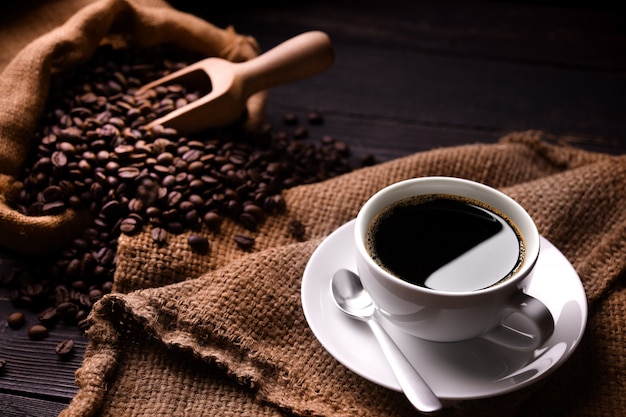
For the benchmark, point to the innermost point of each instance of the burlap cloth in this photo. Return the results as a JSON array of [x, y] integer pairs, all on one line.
[[58, 35], [224, 334]]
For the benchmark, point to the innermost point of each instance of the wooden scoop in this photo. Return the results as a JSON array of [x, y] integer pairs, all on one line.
[[230, 84]]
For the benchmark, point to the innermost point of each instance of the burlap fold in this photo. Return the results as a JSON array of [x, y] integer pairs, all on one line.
[[231, 339], [25, 82], [223, 334]]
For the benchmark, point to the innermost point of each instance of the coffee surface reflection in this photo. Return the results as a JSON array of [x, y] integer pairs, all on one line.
[[445, 242]]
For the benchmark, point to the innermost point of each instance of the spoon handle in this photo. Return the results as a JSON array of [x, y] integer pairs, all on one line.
[[414, 387]]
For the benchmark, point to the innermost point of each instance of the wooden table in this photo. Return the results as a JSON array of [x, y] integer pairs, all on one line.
[[408, 77]]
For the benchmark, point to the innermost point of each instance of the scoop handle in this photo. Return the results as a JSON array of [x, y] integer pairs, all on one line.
[[295, 59]]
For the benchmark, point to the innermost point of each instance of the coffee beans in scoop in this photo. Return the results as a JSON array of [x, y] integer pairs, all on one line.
[[92, 150]]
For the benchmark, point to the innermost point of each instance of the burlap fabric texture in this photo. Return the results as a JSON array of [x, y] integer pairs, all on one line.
[[224, 334], [25, 82], [231, 339]]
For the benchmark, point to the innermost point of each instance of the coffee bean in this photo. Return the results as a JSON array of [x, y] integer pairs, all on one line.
[[64, 348], [67, 311], [254, 210], [301, 132], [61, 294], [95, 294], [315, 117], [16, 320], [48, 316], [212, 220], [38, 332], [244, 241], [92, 151], [159, 235], [128, 173], [55, 207], [248, 221], [52, 193], [199, 244], [111, 209], [290, 118], [58, 159], [130, 226], [296, 228]]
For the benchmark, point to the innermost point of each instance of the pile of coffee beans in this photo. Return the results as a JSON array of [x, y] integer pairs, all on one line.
[[93, 151]]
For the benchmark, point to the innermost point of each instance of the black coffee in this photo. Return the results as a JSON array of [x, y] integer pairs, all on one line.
[[445, 242]]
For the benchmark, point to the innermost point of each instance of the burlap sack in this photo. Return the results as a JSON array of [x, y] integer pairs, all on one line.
[[231, 338], [25, 80], [224, 334]]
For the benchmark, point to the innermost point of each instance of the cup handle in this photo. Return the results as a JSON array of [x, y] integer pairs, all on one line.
[[526, 325]]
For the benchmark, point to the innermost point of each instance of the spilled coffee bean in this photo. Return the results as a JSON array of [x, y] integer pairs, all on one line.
[[315, 117], [38, 332], [296, 228], [92, 151], [16, 320], [244, 241], [198, 244], [64, 348], [159, 235]]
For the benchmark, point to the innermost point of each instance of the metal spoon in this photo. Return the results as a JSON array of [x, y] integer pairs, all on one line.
[[355, 301]]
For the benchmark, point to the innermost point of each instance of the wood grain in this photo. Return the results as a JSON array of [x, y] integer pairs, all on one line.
[[408, 77]]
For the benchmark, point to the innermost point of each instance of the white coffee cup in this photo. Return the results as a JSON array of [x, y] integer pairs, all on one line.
[[499, 311]]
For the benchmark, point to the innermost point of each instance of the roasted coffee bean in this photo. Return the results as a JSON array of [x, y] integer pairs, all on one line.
[[67, 311], [85, 301], [48, 316], [301, 132], [159, 235], [34, 291], [128, 173], [16, 320], [95, 294], [64, 348], [212, 220], [244, 241], [61, 294], [254, 210], [368, 160], [199, 244], [38, 332], [53, 193], [107, 287], [130, 226], [315, 117], [296, 228], [59, 159], [248, 221], [290, 118], [94, 153], [54, 207]]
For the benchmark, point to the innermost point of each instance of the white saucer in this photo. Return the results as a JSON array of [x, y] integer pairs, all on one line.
[[455, 371]]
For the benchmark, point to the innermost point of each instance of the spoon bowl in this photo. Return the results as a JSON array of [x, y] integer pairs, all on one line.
[[354, 300]]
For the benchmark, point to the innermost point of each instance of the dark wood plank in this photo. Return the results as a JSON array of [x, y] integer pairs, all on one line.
[[388, 71], [409, 76], [586, 34], [407, 87], [22, 406], [33, 367]]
